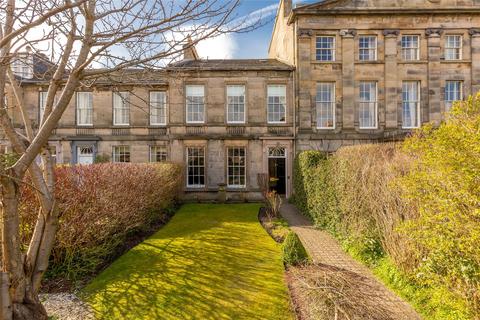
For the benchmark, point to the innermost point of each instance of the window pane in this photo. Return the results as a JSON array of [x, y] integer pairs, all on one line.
[[325, 105], [453, 92], [121, 110], [236, 173], [276, 103], [410, 47], [453, 47], [411, 104], [236, 104], [42, 104], [195, 167], [368, 48], [195, 104], [84, 108], [368, 105], [158, 108], [158, 154], [325, 48], [121, 153]]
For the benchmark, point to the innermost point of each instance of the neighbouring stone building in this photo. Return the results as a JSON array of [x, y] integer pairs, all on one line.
[[338, 73]]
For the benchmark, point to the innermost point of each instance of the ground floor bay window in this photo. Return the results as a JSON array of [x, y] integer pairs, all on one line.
[[195, 167], [236, 170]]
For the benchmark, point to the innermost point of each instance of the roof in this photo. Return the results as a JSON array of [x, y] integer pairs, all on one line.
[[231, 65]]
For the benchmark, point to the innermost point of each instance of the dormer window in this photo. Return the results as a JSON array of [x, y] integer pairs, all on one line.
[[22, 66]]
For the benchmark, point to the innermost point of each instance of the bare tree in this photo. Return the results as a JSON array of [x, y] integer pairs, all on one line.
[[85, 39]]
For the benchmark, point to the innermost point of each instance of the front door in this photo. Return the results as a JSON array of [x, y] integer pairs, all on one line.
[[85, 154], [277, 170]]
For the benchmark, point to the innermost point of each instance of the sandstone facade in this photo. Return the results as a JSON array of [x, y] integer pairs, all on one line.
[[383, 67]]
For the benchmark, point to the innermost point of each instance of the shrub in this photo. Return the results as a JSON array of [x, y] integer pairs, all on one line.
[[100, 206], [273, 202], [293, 251], [444, 184], [415, 204]]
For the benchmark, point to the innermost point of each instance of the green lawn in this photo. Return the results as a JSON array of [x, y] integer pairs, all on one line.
[[208, 262]]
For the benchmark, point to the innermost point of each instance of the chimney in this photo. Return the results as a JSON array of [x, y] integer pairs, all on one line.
[[287, 7], [189, 51]]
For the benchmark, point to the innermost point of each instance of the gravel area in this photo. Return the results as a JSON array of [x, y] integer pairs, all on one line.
[[66, 306]]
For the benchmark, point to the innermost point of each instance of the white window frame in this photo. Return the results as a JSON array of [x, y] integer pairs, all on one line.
[[153, 153], [417, 103], [22, 66], [282, 100], [367, 103], [190, 104], [53, 153], [369, 49], [331, 103], [122, 98], [448, 102], [232, 165], [407, 50], [236, 101], [42, 103], [89, 110], [158, 108], [456, 49], [117, 153], [332, 49], [187, 153]]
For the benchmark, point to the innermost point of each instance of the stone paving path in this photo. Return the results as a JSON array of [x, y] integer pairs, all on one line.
[[325, 249]]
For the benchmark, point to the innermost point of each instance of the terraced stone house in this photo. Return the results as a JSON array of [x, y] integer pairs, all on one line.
[[339, 72]]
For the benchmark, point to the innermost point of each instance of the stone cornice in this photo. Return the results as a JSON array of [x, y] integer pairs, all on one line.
[[372, 11]]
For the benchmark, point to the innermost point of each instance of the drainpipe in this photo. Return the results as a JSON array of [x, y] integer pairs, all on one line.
[[295, 101]]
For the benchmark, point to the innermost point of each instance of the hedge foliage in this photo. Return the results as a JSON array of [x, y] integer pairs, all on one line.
[[101, 205], [293, 251], [416, 204]]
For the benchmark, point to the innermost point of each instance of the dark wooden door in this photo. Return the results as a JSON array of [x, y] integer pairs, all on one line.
[[277, 172]]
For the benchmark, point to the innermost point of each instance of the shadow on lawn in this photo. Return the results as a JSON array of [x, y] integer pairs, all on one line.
[[210, 264]]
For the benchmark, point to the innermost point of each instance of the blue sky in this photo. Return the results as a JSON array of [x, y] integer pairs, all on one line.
[[245, 45], [255, 44]]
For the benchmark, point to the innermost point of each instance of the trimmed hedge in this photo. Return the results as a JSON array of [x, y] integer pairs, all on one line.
[[409, 208], [102, 205], [293, 251]]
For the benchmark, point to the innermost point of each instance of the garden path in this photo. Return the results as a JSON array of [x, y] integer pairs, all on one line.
[[324, 249]]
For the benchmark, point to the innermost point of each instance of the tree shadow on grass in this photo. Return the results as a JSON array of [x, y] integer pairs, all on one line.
[[215, 263]]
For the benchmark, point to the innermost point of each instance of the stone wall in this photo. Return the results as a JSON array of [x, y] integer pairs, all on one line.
[[389, 71]]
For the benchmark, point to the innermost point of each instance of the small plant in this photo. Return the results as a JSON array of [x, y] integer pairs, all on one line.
[[273, 203], [102, 158], [293, 251]]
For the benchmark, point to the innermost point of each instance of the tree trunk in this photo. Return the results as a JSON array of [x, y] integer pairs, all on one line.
[[5, 305], [24, 300]]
